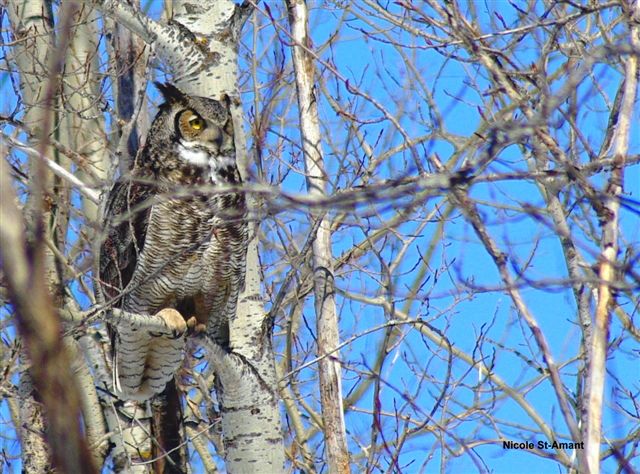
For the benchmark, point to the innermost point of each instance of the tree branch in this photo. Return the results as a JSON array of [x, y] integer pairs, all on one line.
[[608, 271], [40, 328], [327, 325]]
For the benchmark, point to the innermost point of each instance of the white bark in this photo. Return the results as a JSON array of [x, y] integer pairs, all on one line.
[[94, 422], [83, 128], [35, 451], [609, 255], [168, 41], [324, 286], [31, 20]]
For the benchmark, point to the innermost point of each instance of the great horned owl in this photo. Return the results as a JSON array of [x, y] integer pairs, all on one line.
[[172, 240]]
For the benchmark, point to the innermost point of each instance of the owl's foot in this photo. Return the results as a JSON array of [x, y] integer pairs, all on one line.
[[194, 327], [176, 325]]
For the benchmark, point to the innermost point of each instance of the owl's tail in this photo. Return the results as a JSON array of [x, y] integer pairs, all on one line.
[[144, 362]]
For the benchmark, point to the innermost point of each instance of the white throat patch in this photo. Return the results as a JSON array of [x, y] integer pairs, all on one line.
[[192, 155]]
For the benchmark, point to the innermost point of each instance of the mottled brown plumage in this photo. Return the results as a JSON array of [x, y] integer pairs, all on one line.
[[171, 242]]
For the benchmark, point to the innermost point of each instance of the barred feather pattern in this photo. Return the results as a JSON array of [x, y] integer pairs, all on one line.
[[163, 250]]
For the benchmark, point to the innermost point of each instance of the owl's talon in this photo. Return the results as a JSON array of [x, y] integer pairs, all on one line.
[[174, 321], [194, 327]]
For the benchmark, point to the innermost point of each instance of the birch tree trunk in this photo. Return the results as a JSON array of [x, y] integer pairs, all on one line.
[[33, 245], [30, 18], [608, 260], [324, 287]]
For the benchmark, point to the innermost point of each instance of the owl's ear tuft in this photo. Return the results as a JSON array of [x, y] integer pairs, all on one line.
[[228, 101], [170, 92]]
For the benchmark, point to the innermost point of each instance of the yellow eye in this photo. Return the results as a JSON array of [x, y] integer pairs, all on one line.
[[196, 123]]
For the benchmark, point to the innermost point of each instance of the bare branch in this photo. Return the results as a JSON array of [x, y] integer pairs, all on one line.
[[608, 272], [40, 328]]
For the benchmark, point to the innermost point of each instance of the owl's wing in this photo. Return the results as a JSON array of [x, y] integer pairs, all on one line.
[[126, 217], [125, 224]]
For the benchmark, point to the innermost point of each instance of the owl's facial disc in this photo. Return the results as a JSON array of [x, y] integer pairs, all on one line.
[[199, 138]]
